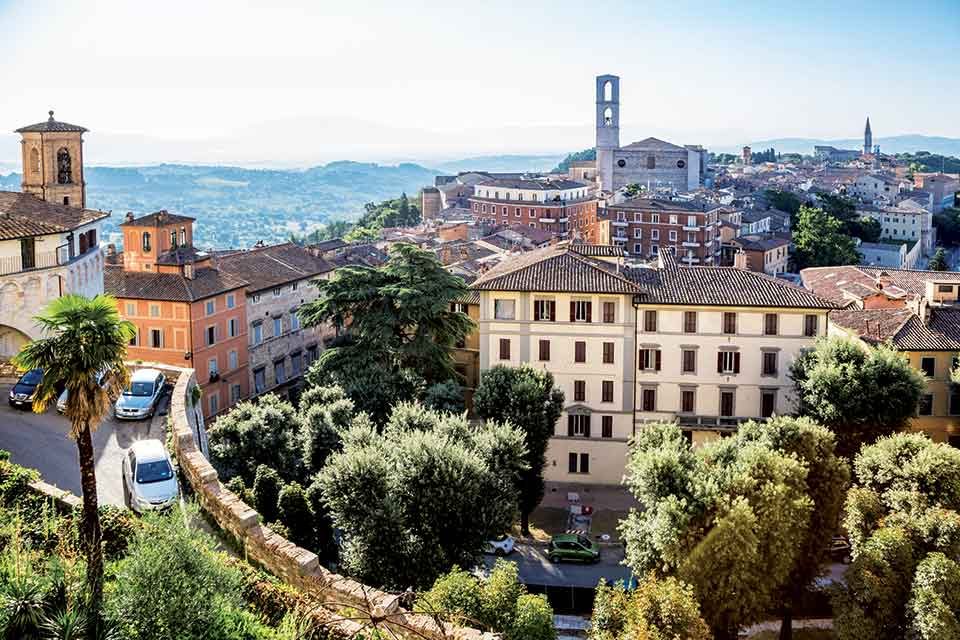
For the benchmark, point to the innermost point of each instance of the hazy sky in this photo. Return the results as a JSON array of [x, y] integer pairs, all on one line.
[[712, 73]]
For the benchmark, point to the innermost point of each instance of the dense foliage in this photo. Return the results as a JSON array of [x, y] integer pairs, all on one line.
[[658, 609], [421, 496], [820, 241], [858, 394], [526, 398], [728, 518], [931, 162], [499, 603], [444, 396], [939, 261], [785, 201], [767, 155], [947, 223], [400, 321], [903, 518], [575, 156]]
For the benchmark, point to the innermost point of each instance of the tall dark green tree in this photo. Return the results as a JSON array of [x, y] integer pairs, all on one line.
[[939, 261], [820, 241], [526, 398], [83, 337]]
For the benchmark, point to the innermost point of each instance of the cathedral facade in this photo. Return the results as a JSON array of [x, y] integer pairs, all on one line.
[[651, 163]]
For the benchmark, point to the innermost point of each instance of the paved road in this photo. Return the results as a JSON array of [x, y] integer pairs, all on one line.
[[42, 442], [535, 568]]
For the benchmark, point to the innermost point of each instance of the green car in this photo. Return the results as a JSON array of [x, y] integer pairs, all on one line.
[[572, 546]]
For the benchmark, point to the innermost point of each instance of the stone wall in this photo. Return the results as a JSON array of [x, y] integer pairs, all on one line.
[[294, 565]]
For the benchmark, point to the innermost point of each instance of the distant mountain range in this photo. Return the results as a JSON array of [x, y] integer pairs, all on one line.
[[893, 144]]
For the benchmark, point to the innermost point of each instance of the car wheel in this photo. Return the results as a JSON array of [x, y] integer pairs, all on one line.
[[554, 559], [500, 552]]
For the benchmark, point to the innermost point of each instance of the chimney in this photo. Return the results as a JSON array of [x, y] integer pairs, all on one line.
[[111, 250], [129, 216], [188, 270]]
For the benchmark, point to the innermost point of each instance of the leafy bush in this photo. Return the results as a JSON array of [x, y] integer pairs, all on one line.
[[323, 543], [446, 397], [266, 492], [294, 512], [239, 488], [659, 609], [118, 528]]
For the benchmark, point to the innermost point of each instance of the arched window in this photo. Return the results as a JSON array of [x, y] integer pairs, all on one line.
[[183, 236], [608, 116], [34, 167], [64, 170], [173, 239], [608, 91], [146, 241]]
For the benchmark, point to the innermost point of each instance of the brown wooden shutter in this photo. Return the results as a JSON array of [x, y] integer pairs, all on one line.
[[736, 362], [720, 362], [553, 310], [658, 360], [589, 312], [587, 432], [573, 311], [570, 426]]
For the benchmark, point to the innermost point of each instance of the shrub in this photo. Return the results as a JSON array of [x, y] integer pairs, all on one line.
[[456, 596], [533, 619], [446, 397], [266, 492], [659, 609], [14, 483], [239, 488], [295, 513], [323, 543]]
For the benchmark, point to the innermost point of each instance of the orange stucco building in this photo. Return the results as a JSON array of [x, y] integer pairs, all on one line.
[[187, 312]]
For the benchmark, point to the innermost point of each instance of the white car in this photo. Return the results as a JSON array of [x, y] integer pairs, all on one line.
[[501, 546], [149, 481], [62, 400], [140, 399]]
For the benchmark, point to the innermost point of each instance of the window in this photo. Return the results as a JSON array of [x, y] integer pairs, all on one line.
[[579, 351], [580, 311], [231, 301], [926, 405], [649, 360], [768, 403], [232, 362], [255, 298], [579, 391], [691, 221], [810, 327], [504, 348], [156, 338], [154, 311], [655, 218], [650, 320], [609, 312], [673, 236], [294, 320], [503, 309], [234, 394], [131, 309], [728, 362], [673, 219], [945, 288], [544, 350], [135, 340], [257, 332], [173, 239], [607, 391], [276, 292], [637, 249], [578, 426], [606, 427], [213, 367], [769, 363], [296, 363], [64, 169], [649, 400], [689, 321], [726, 404], [145, 241], [688, 361], [259, 380], [687, 400], [277, 326], [729, 323], [655, 234], [770, 324], [311, 353], [638, 233], [651, 162], [279, 371], [927, 365], [232, 327], [214, 403], [607, 353], [211, 335], [183, 236], [544, 310], [579, 463]]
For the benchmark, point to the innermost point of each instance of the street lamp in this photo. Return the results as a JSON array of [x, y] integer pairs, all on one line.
[[636, 301]]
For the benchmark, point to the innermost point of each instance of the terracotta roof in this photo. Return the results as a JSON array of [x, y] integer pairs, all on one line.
[[23, 215], [541, 185], [50, 126], [598, 250], [181, 255], [268, 267], [903, 328], [834, 282], [657, 205], [653, 143], [760, 243], [554, 269], [173, 287], [156, 219]]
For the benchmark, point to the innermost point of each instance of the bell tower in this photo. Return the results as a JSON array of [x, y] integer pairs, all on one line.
[[608, 127], [53, 162]]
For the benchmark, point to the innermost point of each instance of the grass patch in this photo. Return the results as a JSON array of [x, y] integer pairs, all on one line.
[[549, 521]]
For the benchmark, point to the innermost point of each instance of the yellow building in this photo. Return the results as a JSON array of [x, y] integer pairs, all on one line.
[[708, 347]]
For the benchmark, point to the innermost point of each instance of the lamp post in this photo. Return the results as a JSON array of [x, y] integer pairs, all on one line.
[[636, 301]]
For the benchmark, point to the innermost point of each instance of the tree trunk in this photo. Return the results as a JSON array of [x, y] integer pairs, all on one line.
[[525, 524], [786, 625], [90, 527]]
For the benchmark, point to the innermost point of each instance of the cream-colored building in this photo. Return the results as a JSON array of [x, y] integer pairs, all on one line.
[[708, 347]]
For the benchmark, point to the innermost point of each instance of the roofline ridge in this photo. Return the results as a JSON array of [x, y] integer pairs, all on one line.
[[588, 260]]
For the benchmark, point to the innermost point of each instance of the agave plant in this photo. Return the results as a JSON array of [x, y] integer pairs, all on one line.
[[64, 624]]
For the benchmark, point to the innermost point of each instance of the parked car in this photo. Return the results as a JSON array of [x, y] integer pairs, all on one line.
[[840, 550], [140, 399], [23, 392], [149, 482], [573, 546], [101, 378], [500, 546]]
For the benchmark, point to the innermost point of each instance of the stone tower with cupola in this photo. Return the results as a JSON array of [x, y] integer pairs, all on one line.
[[53, 162]]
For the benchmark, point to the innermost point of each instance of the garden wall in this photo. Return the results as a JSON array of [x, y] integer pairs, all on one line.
[[294, 565]]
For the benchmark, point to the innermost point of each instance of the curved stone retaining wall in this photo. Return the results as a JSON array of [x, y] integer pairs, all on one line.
[[295, 565]]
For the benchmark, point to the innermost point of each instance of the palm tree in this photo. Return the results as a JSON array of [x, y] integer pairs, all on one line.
[[83, 337]]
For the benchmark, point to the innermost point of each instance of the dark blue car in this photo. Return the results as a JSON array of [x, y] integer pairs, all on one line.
[[22, 393]]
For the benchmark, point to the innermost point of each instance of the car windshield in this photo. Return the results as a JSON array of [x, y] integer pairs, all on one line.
[[584, 541], [140, 389], [32, 377], [157, 471]]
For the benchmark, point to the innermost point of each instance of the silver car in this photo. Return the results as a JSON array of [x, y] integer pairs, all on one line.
[[149, 483], [139, 400], [101, 378]]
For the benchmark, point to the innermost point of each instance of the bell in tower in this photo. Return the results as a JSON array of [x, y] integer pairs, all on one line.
[[53, 162]]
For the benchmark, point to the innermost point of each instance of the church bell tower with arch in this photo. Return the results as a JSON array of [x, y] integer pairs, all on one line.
[[53, 162], [608, 127]]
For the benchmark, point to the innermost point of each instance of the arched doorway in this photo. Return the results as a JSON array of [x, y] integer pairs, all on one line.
[[11, 340]]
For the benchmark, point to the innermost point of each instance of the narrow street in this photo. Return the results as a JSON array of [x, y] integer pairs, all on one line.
[[536, 569]]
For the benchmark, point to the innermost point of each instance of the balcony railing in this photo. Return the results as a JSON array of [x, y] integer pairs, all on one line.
[[45, 260]]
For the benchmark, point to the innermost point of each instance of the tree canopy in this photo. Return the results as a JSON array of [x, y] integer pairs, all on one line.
[[658, 609], [820, 240], [939, 261], [860, 394], [575, 156], [526, 398]]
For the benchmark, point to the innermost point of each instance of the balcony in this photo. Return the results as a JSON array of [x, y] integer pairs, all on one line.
[[548, 220], [45, 260], [691, 244], [619, 223], [694, 228]]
